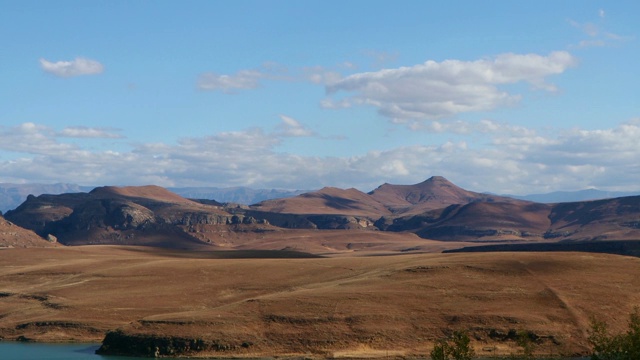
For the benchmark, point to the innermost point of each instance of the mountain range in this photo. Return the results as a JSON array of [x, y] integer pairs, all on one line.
[[435, 209], [310, 265], [12, 195]]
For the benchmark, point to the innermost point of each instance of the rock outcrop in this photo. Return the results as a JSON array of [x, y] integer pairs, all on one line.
[[434, 209], [120, 343], [14, 236], [147, 215]]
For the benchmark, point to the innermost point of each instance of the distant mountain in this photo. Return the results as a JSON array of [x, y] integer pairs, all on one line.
[[396, 197], [136, 215], [607, 219], [328, 200], [433, 193], [570, 196], [12, 195], [387, 200], [238, 195], [433, 209], [495, 221]]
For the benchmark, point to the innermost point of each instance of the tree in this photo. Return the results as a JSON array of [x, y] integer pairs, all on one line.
[[624, 346], [458, 347], [440, 350], [525, 342]]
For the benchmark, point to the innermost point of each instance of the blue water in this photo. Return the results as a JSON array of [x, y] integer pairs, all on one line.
[[35, 351]]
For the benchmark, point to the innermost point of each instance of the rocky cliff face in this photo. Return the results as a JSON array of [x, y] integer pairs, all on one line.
[[14, 236], [119, 343], [119, 216], [151, 215]]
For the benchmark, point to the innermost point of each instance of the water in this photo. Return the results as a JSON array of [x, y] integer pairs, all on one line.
[[36, 351]]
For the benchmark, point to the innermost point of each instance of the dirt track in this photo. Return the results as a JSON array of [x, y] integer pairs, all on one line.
[[343, 306]]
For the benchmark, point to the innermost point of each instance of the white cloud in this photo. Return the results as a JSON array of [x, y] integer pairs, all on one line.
[[395, 167], [89, 132], [442, 89], [32, 139], [336, 104], [462, 127], [510, 160], [322, 75], [77, 67], [290, 127], [242, 80]]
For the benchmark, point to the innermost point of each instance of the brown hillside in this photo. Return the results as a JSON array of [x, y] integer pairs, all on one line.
[[496, 221], [325, 242], [435, 209], [146, 215], [13, 236], [328, 200], [37, 212], [149, 192], [609, 219], [316, 308], [433, 193]]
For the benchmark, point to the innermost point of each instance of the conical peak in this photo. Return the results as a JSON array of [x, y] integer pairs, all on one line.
[[437, 179]]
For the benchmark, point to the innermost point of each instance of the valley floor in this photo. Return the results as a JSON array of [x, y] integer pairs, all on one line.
[[250, 304]]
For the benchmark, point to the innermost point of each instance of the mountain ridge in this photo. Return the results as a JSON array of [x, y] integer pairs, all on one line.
[[12, 195], [434, 193], [434, 209]]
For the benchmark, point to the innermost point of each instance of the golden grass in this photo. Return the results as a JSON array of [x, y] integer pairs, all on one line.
[[342, 306]]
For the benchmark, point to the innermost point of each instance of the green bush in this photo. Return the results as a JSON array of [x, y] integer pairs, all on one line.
[[458, 347], [624, 346], [525, 342]]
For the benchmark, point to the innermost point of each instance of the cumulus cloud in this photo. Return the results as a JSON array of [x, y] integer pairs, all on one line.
[[32, 139], [77, 67], [463, 127], [434, 90], [89, 132], [512, 160]]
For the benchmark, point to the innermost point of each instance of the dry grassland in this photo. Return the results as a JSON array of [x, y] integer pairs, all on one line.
[[319, 307]]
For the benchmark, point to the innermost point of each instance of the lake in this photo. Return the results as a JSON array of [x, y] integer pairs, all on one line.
[[37, 351]]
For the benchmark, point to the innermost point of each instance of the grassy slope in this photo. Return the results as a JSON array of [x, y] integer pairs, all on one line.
[[343, 306]]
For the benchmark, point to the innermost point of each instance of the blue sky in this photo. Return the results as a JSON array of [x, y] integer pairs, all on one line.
[[500, 96]]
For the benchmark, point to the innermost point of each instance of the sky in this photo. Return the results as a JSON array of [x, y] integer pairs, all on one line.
[[507, 97]]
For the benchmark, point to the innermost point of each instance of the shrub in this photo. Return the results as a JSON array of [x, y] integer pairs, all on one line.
[[624, 346], [458, 347], [524, 341]]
